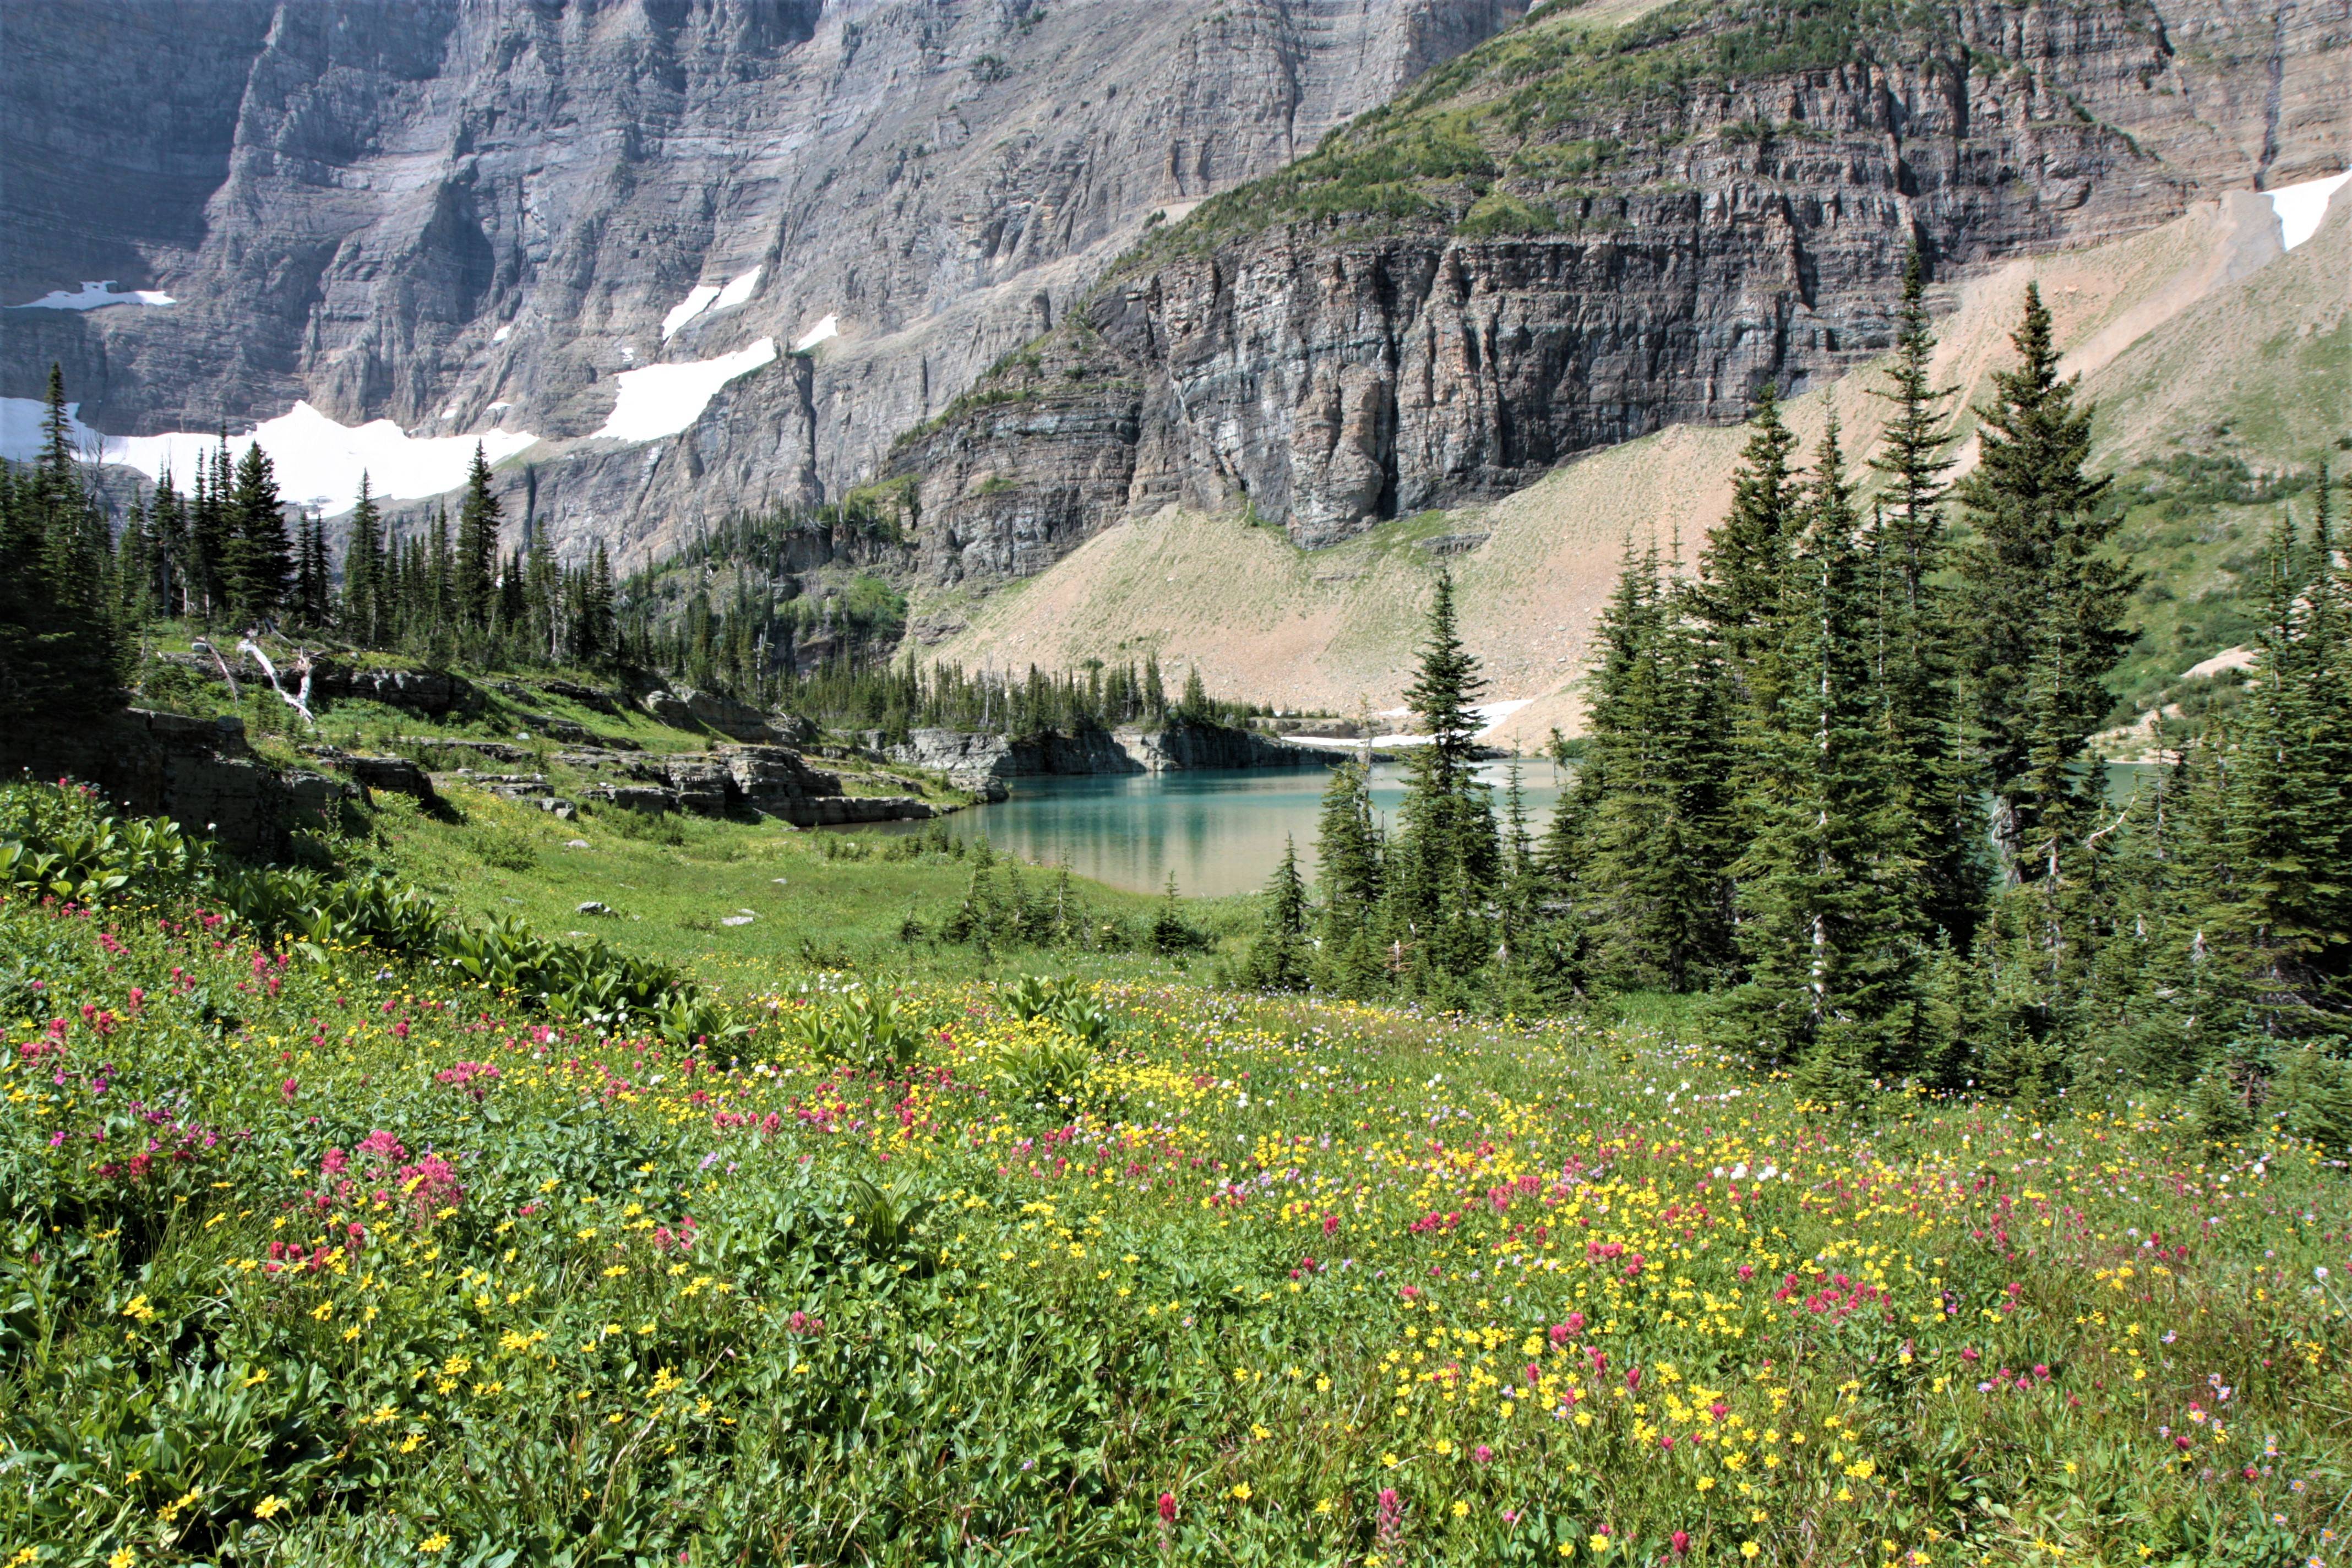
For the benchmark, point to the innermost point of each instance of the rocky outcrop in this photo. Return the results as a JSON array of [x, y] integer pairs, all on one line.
[[371, 772], [1184, 746], [686, 709], [198, 771], [764, 781], [467, 215], [982, 763], [1405, 321]]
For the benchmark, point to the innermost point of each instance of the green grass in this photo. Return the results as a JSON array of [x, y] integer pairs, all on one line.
[[822, 899], [315, 1256]]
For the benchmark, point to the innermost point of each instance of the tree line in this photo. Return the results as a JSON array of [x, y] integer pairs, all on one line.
[[1837, 786], [223, 556]]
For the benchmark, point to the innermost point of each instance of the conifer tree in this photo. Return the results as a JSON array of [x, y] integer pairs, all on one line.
[[259, 564], [1442, 869], [1278, 958], [363, 618], [62, 651], [1917, 680], [1646, 886], [167, 521], [1831, 959], [1741, 591], [2041, 607], [1347, 844], [475, 585]]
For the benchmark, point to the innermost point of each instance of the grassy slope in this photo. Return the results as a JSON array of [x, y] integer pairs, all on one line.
[[1276, 1262], [2144, 319], [810, 909]]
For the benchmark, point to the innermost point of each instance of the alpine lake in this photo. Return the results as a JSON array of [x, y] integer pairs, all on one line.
[[1221, 831]]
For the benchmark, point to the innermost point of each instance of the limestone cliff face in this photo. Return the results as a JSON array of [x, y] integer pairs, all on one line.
[[468, 215], [1423, 321]]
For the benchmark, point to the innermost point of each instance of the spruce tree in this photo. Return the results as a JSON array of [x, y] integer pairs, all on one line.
[[362, 619], [1278, 958], [475, 584], [2042, 608], [1442, 869], [260, 565]]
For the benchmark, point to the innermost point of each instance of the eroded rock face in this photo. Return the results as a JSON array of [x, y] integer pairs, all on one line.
[[420, 212], [199, 771], [1332, 375]]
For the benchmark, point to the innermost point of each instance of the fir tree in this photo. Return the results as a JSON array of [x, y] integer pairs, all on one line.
[[1646, 881], [363, 619], [1278, 958], [62, 651], [475, 584], [1347, 844], [2041, 607], [1440, 871], [1831, 962], [1920, 687], [1741, 591], [259, 564]]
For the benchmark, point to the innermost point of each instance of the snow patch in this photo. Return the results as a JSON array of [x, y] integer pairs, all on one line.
[[710, 298], [664, 399], [1491, 714], [1490, 717], [2301, 208], [697, 299], [828, 327], [318, 461], [96, 296], [503, 333], [499, 407], [737, 292]]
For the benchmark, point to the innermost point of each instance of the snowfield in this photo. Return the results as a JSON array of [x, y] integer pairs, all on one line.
[[96, 296], [2302, 207], [318, 461], [664, 399]]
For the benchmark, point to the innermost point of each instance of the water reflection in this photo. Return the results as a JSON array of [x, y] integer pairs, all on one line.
[[1220, 831]]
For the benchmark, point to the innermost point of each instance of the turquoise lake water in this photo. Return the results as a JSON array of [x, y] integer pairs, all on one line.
[[1221, 831]]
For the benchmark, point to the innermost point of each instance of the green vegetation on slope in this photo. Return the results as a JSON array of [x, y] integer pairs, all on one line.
[[321, 1254]]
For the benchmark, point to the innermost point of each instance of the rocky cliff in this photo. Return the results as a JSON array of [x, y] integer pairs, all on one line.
[[1583, 232], [476, 217]]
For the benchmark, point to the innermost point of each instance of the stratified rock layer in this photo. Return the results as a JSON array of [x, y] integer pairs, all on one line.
[[1726, 230]]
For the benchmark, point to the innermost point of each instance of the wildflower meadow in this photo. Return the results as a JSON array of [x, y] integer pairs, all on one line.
[[319, 1251]]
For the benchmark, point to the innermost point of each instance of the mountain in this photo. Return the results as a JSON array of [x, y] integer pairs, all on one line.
[[596, 232], [1610, 220], [2215, 355]]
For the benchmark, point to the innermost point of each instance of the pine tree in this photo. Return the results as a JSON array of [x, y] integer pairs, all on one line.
[[1440, 871], [2041, 607], [259, 564], [475, 584], [1278, 958], [363, 618], [1920, 705]]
